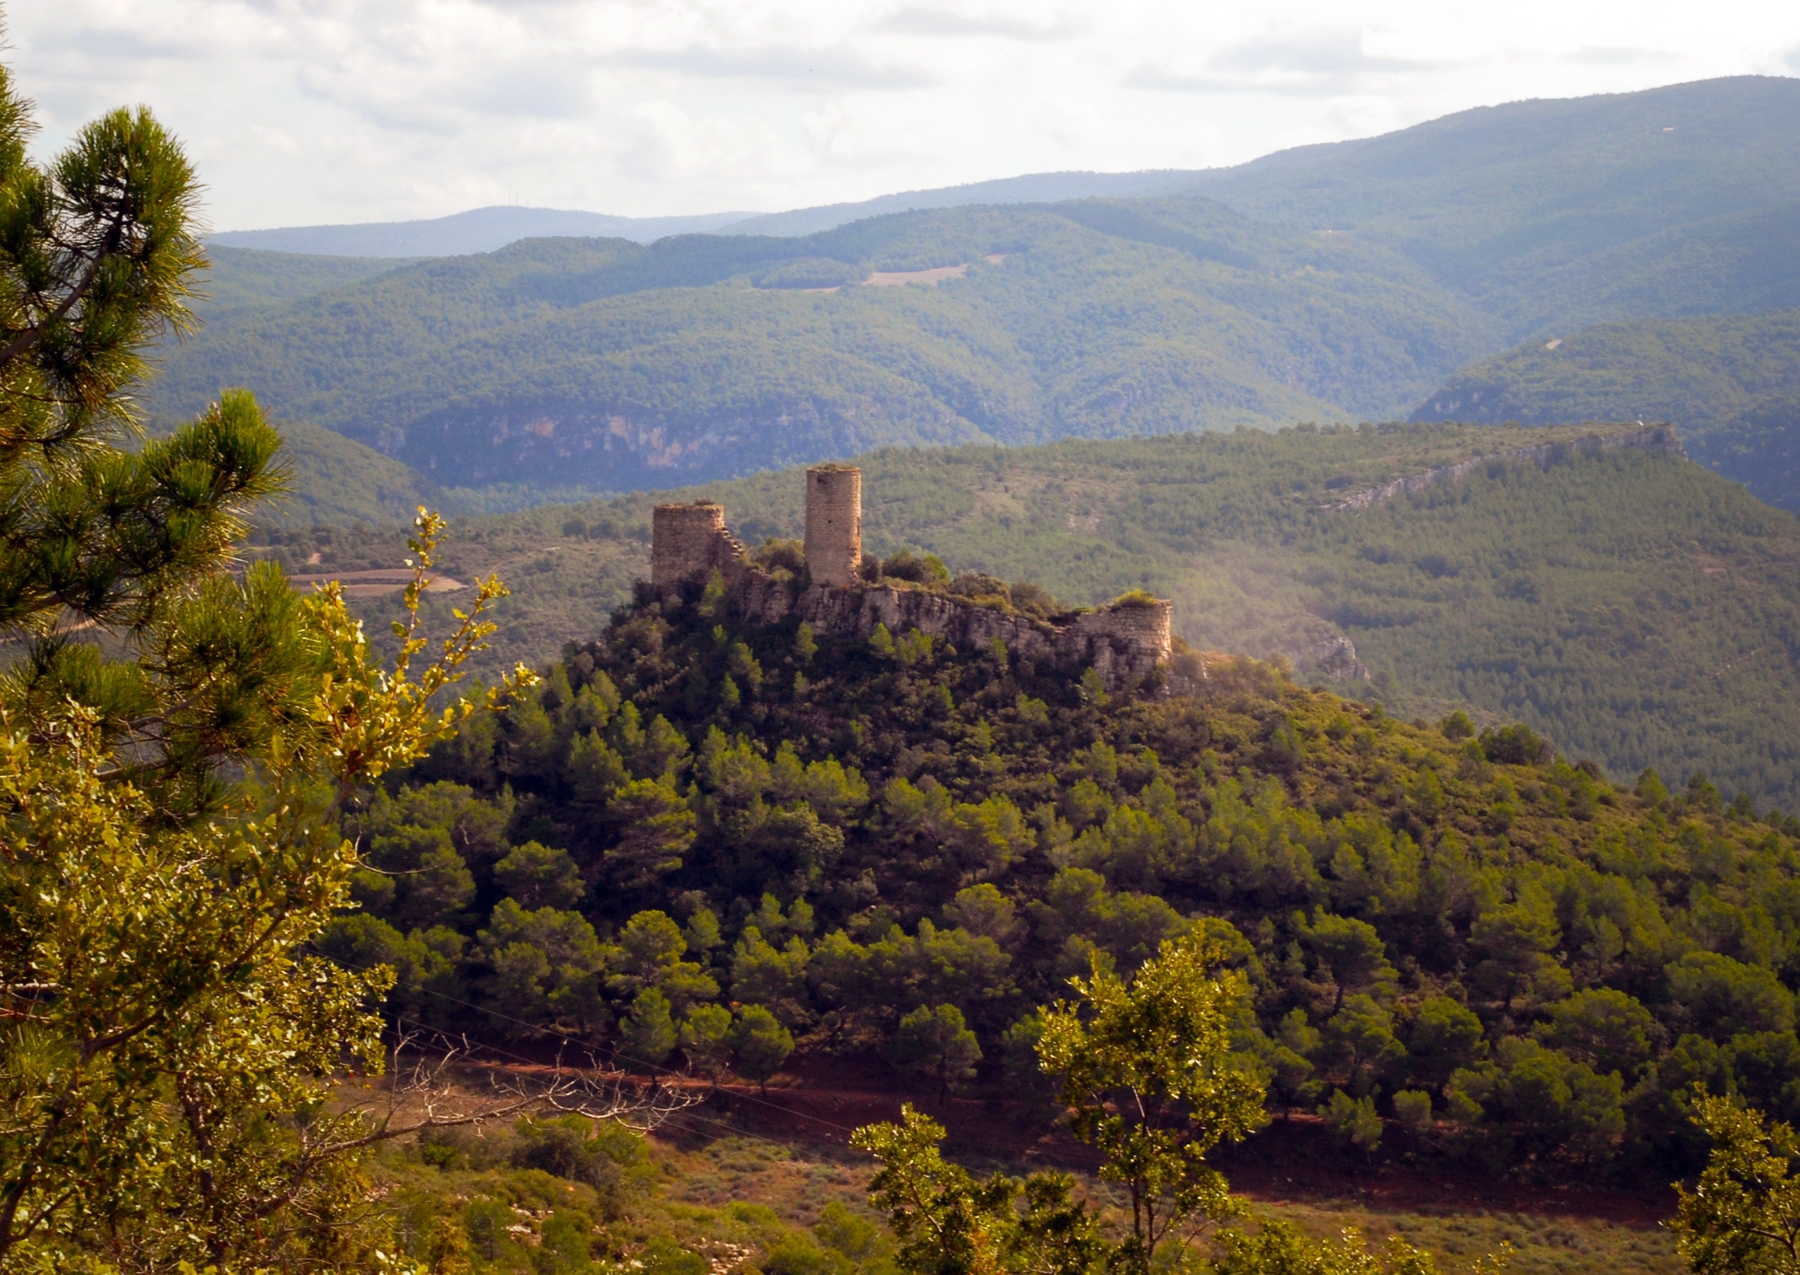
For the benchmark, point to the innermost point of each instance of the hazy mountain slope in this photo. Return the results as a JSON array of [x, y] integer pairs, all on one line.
[[1730, 385], [336, 480], [1636, 607], [478, 230], [1737, 263], [239, 278], [489, 229], [607, 363], [1033, 188], [1509, 204]]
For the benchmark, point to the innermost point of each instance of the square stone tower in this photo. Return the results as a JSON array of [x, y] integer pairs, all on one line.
[[686, 541], [834, 525]]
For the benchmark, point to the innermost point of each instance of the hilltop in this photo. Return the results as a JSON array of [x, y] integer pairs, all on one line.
[[1630, 604], [239, 279], [1730, 384], [1550, 215]]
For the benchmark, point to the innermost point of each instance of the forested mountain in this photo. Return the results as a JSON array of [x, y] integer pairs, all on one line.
[[488, 229], [1635, 607], [1033, 188], [240, 279], [337, 480], [611, 364], [1329, 283], [1730, 384]]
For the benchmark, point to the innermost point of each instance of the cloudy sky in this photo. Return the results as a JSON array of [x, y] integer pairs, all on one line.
[[305, 111]]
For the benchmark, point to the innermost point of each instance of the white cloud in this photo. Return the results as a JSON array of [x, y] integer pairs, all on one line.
[[343, 110], [922, 20], [1316, 61], [823, 67]]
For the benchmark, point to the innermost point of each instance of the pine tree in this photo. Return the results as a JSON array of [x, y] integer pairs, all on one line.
[[167, 808]]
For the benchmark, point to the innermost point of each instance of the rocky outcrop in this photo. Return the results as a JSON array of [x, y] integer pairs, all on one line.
[[1125, 642], [1333, 657], [1659, 438]]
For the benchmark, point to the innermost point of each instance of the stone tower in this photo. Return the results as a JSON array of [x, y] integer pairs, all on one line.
[[686, 541], [834, 525]]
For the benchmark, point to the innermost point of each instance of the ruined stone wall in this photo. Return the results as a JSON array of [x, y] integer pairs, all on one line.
[[1124, 644], [834, 525], [688, 541], [1123, 641]]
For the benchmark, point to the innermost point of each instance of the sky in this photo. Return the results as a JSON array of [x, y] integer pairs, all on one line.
[[301, 112]]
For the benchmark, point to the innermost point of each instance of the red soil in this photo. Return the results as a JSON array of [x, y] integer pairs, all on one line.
[[1288, 1161]]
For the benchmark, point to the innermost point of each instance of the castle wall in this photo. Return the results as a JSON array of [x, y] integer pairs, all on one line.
[[1124, 643], [688, 541], [834, 525]]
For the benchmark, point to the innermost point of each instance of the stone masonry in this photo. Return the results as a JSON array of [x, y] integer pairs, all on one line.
[[1125, 642], [834, 525], [688, 541]]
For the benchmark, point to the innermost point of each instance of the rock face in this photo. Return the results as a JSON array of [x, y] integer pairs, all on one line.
[[1656, 438], [1125, 643], [1333, 656]]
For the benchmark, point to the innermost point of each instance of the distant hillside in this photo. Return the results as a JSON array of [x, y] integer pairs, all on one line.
[[489, 229], [619, 366], [336, 480], [1731, 386], [1034, 188], [1637, 608], [1552, 215], [240, 279]]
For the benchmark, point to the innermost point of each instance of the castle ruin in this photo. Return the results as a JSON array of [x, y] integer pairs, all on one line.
[[687, 541], [1125, 642], [834, 525]]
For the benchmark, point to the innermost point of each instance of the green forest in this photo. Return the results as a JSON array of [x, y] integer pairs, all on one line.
[[616, 365], [890, 848]]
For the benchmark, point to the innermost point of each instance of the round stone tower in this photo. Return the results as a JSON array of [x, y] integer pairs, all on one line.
[[684, 541], [834, 525]]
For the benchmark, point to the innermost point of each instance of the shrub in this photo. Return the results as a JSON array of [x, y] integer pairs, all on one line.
[[1515, 745]]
